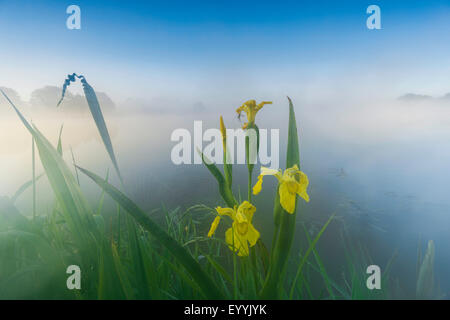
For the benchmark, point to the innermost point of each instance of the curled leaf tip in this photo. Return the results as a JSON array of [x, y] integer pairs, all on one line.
[[70, 78]]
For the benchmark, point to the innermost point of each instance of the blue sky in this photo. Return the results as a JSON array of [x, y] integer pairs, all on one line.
[[191, 49]]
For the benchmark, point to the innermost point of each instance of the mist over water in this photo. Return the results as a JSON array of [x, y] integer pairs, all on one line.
[[382, 167]]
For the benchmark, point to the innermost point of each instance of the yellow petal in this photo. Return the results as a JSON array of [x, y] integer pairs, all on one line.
[[239, 217], [287, 199], [250, 103], [241, 246], [225, 211], [247, 209], [236, 242], [242, 228], [269, 172], [303, 194], [303, 186], [252, 235], [260, 105], [291, 172], [214, 225], [258, 186], [265, 172], [230, 240]]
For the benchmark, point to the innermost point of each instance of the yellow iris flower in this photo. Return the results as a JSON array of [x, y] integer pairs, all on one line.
[[242, 232], [251, 109], [292, 182]]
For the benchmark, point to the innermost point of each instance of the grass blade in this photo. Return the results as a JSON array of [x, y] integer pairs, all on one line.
[[33, 168], [59, 147], [97, 114], [72, 202], [306, 255], [425, 280], [209, 289]]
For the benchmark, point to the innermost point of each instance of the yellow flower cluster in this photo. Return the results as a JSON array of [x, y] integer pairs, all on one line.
[[291, 182]]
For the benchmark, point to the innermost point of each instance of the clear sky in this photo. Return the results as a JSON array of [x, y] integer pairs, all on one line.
[[214, 49]]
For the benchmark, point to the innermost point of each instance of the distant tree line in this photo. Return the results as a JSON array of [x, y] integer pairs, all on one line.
[[46, 98]]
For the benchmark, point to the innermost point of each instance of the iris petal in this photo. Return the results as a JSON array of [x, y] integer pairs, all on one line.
[[214, 226], [252, 235], [236, 242], [287, 199], [258, 186], [225, 211], [247, 209], [303, 186]]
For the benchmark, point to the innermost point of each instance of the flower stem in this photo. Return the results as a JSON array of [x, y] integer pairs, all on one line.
[[249, 193], [33, 157]]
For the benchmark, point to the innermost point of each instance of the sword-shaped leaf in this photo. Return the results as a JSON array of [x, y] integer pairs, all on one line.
[[96, 113], [207, 286]]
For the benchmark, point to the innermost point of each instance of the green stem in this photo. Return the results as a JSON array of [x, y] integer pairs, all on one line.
[[249, 165], [280, 255], [118, 227], [286, 229], [249, 193], [34, 177], [235, 276]]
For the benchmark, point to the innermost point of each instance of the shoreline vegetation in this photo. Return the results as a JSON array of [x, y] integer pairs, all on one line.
[[126, 254]]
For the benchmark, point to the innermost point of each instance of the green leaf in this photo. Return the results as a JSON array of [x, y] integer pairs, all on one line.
[[208, 288], [137, 257], [73, 205], [112, 281], [224, 188], [219, 268], [97, 114], [425, 280], [59, 147], [284, 235], [322, 270], [311, 247], [227, 165], [293, 149], [122, 273]]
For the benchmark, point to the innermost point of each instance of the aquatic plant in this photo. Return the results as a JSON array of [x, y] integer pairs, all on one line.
[[137, 257]]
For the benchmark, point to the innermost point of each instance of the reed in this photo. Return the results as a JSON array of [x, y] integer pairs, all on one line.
[[142, 258]]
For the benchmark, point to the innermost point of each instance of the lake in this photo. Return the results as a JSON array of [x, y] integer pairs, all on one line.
[[382, 167]]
